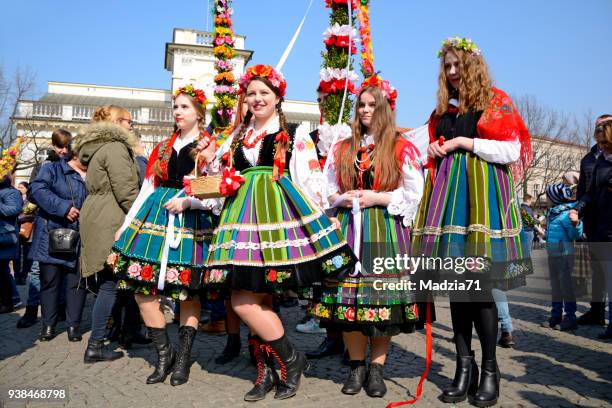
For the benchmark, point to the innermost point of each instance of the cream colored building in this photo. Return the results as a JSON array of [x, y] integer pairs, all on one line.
[[189, 58]]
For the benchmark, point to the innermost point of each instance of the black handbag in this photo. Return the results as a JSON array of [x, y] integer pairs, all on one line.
[[63, 241]]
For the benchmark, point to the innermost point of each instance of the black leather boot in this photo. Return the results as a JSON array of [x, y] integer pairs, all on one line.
[[465, 381], [231, 350], [251, 351], [183, 360], [97, 351], [356, 377], [375, 385], [488, 390], [47, 333], [74, 334], [292, 364], [29, 318], [267, 378], [165, 355], [126, 340]]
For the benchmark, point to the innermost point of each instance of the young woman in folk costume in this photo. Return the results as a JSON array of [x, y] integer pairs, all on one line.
[[469, 209], [380, 169], [272, 234], [163, 243]]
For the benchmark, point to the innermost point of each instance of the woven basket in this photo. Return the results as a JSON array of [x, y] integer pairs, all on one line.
[[204, 187]]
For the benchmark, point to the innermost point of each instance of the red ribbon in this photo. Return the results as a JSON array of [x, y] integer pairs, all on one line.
[[281, 155], [428, 346]]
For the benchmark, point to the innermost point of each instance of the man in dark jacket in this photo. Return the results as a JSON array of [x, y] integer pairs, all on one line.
[[596, 314]]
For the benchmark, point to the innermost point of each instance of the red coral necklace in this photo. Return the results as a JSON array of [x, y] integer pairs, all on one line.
[[251, 144]]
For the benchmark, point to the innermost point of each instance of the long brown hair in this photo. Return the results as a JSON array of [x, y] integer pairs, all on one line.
[[201, 112], [281, 146], [474, 87], [387, 169]]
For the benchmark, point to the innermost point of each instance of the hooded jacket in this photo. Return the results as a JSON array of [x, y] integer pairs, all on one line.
[[112, 187]]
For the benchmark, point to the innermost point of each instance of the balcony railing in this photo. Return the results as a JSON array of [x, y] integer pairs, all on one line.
[[42, 110], [82, 112], [160, 115], [47, 110]]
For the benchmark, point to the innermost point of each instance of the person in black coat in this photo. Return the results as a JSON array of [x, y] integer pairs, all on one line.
[[597, 202], [596, 314]]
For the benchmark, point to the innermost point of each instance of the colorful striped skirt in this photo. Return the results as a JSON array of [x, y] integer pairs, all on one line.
[[471, 210], [136, 256], [376, 300], [271, 237]]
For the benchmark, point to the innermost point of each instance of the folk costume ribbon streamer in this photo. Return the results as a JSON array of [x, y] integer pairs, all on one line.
[[170, 241], [280, 157], [428, 347]]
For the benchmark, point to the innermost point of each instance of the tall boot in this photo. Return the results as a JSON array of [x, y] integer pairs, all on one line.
[[488, 390], [465, 381], [165, 355], [292, 364], [183, 361], [231, 350], [267, 378]]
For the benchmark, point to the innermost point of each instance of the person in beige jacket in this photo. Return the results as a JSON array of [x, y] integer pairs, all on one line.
[[106, 147]]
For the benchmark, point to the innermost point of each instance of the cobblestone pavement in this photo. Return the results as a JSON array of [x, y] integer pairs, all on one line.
[[546, 368]]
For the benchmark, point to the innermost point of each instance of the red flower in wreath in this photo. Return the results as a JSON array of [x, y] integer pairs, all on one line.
[[231, 180], [350, 314], [271, 275], [146, 273], [185, 276]]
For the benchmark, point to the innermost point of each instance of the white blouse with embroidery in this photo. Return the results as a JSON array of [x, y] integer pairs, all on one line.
[[303, 167], [405, 198]]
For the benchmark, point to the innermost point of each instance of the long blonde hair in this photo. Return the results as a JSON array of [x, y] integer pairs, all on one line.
[[383, 128], [475, 86]]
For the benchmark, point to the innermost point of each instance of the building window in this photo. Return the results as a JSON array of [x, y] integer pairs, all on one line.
[[536, 190]]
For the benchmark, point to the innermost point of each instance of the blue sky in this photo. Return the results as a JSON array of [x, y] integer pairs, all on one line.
[[558, 51]]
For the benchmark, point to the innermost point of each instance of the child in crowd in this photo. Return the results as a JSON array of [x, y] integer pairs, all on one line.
[[562, 228]]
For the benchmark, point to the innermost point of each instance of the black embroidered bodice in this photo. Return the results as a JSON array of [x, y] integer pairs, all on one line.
[[267, 150], [181, 164], [452, 125]]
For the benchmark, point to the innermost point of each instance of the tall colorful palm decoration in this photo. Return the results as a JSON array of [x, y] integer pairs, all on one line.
[[223, 42]]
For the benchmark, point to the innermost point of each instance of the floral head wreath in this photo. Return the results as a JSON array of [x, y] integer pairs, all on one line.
[[263, 71], [197, 94], [9, 159], [384, 85], [458, 43]]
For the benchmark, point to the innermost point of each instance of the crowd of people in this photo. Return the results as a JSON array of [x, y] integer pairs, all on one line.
[[100, 217]]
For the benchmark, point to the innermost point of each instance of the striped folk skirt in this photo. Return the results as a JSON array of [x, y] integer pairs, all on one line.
[[271, 237], [374, 299], [136, 256], [470, 209]]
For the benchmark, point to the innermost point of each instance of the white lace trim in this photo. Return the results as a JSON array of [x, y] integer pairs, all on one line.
[[283, 262], [270, 226], [273, 244]]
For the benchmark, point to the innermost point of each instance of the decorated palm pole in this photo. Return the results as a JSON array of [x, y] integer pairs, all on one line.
[[367, 53], [337, 79], [224, 52]]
